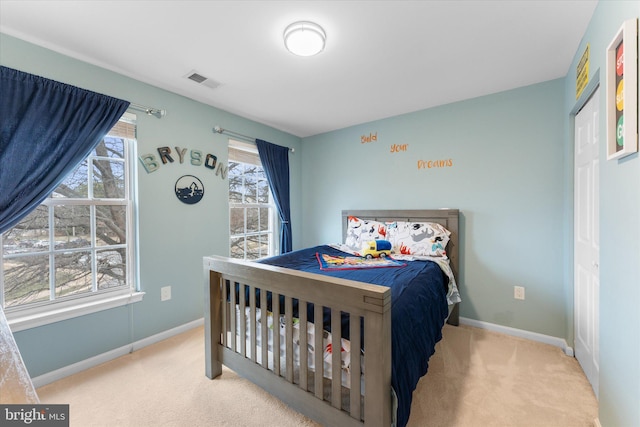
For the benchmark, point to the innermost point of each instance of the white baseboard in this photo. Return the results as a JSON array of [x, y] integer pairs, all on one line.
[[58, 374], [521, 333]]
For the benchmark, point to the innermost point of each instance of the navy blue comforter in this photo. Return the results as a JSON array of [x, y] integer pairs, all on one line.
[[418, 312]]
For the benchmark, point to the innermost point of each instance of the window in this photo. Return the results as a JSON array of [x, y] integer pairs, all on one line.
[[77, 247], [252, 214]]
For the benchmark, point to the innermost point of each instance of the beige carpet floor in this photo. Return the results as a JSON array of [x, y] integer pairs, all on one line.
[[476, 378]]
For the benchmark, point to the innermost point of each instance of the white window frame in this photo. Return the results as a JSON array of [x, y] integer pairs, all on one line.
[[41, 313], [252, 157]]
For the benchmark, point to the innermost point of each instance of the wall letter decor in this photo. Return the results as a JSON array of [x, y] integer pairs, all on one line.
[[210, 161], [149, 163], [165, 154], [196, 157], [181, 152]]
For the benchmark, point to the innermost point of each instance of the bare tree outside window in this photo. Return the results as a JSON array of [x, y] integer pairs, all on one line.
[[251, 212], [74, 243]]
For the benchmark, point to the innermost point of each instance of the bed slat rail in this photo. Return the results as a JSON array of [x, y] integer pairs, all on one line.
[[324, 403]]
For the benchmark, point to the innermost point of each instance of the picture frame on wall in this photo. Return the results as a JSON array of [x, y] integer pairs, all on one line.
[[622, 91]]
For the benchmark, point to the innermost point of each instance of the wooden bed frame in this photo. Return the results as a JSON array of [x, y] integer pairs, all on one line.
[[325, 401]]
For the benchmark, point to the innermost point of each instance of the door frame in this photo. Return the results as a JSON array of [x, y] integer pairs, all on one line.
[[591, 87], [585, 96]]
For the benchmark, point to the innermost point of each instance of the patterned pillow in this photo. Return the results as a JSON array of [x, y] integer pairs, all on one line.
[[360, 231], [418, 238]]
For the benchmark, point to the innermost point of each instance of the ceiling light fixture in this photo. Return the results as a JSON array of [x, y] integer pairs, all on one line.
[[304, 38]]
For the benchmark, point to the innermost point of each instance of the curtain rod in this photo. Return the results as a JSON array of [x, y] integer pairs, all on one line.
[[148, 110], [218, 129]]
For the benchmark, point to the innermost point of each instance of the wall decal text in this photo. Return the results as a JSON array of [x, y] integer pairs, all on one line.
[[369, 138], [428, 164], [396, 148]]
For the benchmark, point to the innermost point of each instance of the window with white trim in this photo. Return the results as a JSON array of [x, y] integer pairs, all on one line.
[[252, 213], [78, 246]]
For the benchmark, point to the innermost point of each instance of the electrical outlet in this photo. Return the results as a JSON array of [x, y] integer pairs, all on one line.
[[518, 292], [165, 293]]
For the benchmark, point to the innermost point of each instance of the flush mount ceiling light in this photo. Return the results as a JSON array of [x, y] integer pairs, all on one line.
[[304, 38]]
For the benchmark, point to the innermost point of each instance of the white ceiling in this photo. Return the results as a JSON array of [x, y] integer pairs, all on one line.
[[382, 58]]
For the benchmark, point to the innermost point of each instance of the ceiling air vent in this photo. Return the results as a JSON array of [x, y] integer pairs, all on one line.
[[200, 79], [197, 78]]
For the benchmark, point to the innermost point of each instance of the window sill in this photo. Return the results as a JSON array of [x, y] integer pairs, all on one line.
[[20, 320]]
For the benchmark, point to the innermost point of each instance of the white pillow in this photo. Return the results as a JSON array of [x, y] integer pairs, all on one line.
[[418, 238], [360, 231]]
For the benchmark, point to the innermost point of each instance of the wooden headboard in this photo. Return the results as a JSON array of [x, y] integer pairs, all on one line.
[[449, 218]]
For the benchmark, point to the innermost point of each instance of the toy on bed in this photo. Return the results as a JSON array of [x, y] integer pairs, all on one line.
[[376, 249]]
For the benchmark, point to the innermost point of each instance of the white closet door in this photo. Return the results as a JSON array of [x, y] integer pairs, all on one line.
[[587, 240]]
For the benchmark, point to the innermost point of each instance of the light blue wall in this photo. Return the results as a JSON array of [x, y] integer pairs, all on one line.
[[619, 238], [506, 178], [173, 236]]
